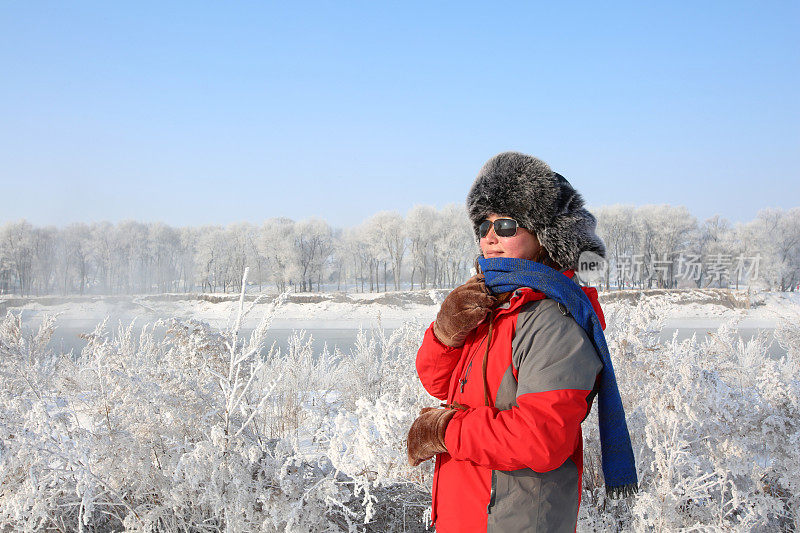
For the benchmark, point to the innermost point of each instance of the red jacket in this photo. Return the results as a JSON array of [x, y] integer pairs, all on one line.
[[516, 464]]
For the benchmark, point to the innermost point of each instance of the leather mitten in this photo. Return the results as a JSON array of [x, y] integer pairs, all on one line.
[[426, 436], [461, 312]]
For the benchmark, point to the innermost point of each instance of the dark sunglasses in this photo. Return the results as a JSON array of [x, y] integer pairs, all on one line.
[[503, 227]]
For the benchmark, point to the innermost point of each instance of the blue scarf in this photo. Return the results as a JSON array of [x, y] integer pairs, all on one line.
[[503, 275]]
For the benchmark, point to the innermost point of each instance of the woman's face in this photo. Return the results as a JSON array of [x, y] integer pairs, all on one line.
[[523, 245]]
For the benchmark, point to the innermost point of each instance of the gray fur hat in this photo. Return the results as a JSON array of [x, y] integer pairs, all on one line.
[[540, 200]]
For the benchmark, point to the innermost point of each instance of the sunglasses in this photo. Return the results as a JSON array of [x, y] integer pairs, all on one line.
[[503, 227]]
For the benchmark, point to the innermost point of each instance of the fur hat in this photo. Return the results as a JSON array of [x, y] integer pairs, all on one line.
[[540, 200]]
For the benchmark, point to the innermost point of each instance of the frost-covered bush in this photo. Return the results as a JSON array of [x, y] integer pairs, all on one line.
[[200, 430], [715, 428], [204, 431]]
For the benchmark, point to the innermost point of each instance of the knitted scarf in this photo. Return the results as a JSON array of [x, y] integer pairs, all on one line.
[[506, 274]]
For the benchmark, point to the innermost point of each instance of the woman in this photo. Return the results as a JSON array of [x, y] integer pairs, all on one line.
[[518, 355]]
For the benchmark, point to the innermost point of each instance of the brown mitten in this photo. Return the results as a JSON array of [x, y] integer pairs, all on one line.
[[426, 436], [461, 312]]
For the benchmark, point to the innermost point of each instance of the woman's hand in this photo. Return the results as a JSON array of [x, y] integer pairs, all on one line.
[[426, 436], [461, 312]]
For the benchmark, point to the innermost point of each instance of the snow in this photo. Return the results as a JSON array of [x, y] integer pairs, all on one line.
[[680, 309], [354, 311], [366, 310], [183, 430]]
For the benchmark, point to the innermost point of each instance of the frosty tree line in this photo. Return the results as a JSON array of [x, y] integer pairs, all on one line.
[[648, 246]]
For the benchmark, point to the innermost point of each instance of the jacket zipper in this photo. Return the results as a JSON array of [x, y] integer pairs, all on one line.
[[464, 379], [493, 493]]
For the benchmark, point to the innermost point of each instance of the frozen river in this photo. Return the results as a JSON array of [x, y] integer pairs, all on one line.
[[67, 338]]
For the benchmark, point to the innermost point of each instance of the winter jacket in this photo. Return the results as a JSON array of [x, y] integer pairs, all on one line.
[[514, 465]]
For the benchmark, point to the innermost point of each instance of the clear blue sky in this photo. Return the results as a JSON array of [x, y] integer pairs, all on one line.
[[213, 112]]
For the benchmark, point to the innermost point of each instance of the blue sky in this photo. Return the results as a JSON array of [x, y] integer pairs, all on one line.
[[204, 113]]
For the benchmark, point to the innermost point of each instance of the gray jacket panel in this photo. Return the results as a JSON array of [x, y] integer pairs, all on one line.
[[552, 351], [524, 500]]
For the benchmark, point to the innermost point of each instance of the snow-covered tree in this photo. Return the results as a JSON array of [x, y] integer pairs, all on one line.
[[79, 253], [313, 241], [17, 248], [614, 224], [211, 259], [457, 245], [663, 232], [164, 248], [275, 241], [187, 249], [421, 222], [389, 234], [778, 233]]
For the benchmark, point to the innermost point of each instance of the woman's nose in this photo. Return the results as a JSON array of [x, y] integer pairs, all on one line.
[[491, 236]]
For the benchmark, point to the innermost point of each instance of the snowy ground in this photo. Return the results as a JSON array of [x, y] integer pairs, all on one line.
[[690, 308], [709, 309], [302, 311]]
